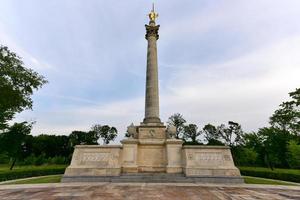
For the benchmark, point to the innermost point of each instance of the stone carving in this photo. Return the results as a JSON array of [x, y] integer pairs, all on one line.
[[93, 157], [132, 131], [208, 156], [171, 131]]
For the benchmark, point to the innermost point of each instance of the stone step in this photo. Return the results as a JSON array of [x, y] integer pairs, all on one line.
[[151, 175], [153, 178]]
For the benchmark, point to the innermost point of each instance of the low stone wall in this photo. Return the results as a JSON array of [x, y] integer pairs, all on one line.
[[95, 160], [202, 160]]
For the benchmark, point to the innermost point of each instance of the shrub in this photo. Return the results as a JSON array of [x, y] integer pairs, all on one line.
[[244, 156], [279, 174], [4, 158], [293, 155], [57, 160], [30, 172]]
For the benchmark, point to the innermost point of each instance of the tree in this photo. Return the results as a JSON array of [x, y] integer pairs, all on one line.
[[178, 121], [245, 156], [231, 135], [287, 117], [51, 145], [211, 135], [17, 84], [254, 141], [275, 143], [105, 132], [83, 138], [293, 155], [12, 141], [191, 133]]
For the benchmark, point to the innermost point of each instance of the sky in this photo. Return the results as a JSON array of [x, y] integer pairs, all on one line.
[[219, 60]]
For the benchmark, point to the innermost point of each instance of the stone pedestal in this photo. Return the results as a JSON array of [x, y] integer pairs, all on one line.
[[130, 154], [174, 158], [95, 160], [210, 161]]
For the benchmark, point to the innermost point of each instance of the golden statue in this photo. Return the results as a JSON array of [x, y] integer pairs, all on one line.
[[152, 14]]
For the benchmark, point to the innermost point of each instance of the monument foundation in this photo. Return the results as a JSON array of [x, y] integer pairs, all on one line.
[[151, 153]]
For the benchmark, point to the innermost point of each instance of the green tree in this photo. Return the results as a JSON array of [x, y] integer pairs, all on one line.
[[178, 121], [275, 143], [231, 135], [12, 140], [211, 135], [191, 133], [287, 117], [82, 138], [17, 84], [245, 156], [51, 145], [293, 154], [254, 141], [105, 132]]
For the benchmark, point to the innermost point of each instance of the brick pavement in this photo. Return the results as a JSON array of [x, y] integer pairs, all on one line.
[[145, 191]]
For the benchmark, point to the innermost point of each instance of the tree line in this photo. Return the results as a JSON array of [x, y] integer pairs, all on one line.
[[277, 145], [17, 145]]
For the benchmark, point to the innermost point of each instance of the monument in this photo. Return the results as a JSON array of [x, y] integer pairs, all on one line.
[[151, 153]]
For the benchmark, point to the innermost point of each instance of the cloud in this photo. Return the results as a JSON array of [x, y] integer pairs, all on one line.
[[219, 60]]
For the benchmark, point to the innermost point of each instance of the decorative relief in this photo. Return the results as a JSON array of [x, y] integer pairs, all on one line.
[[209, 158], [152, 31], [146, 133], [227, 158], [94, 157], [190, 156]]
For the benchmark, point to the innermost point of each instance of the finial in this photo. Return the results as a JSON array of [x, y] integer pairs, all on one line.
[[153, 15]]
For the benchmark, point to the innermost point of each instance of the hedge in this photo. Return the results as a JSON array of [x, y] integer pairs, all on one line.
[[30, 172], [279, 174]]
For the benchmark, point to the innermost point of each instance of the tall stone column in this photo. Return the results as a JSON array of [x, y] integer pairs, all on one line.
[[152, 92]]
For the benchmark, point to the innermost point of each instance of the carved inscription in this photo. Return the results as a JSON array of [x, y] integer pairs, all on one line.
[[93, 157], [207, 158]]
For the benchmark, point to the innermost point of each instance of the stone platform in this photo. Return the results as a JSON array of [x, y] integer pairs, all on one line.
[[154, 178], [152, 160], [147, 191]]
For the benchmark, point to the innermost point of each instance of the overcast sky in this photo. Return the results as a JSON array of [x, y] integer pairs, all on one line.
[[219, 60]]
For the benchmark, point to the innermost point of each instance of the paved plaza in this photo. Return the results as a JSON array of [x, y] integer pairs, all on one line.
[[145, 191]]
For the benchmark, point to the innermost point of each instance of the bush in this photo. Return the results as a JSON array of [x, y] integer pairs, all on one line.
[[244, 156], [30, 172], [59, 160], [293, 155], [279, 174], [4, 158]]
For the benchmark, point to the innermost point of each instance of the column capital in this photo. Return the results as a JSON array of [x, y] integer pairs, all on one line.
[[152, 30]]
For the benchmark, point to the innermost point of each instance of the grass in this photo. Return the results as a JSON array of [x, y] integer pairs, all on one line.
[[291, 175], [29, 171], [37, 180], [255, 180], [5, 168], [263, 169]]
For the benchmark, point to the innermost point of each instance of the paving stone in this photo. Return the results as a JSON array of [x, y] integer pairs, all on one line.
[[147, 191]]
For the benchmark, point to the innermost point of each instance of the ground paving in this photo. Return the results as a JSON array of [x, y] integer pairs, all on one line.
[[145, 191]]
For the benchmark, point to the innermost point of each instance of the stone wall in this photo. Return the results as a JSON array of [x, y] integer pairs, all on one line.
[[208, 161], [95, 160]]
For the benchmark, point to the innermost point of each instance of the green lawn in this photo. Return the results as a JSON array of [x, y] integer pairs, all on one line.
[[291, 175], [263, 169], [29, 171], [255, 180], [45, 179]]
